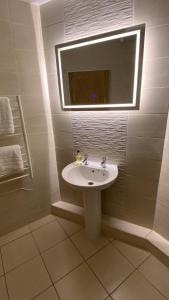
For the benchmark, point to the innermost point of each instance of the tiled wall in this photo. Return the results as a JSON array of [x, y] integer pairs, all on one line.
[[133, 196], [20, 74], [161, 223]]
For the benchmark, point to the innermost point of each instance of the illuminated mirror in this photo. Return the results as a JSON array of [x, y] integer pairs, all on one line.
[[101, 72]]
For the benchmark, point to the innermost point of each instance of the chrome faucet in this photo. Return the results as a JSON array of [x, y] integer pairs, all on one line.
[[103, 163], [85, 160]]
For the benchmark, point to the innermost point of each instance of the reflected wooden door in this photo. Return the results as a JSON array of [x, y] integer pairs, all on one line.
[[89, 87]]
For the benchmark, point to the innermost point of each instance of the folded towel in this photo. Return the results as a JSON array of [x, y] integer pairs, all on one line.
[[11, 162], [6, 118]]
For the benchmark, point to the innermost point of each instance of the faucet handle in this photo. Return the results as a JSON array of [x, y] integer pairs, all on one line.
[[85, 159], [103, 162]]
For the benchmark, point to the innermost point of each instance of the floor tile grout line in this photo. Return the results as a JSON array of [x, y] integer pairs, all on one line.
[[124, 256], [45, 265], [13, 240], [85, 260], [128, 258], [48, 249], [4, 274], [152, 284], [33, 230], [33, 257], [58, 280], [68, 236], [123, 281], [71, 222], [23, 263], [143, 261], [34, 297], [24, 234]]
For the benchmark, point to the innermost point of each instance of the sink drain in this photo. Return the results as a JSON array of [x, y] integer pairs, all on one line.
[[90, 183]]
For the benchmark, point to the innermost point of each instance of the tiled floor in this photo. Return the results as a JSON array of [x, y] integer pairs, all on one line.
[[52, 259]]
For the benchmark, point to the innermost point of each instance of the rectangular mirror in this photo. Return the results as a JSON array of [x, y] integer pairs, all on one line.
[[101, 72]]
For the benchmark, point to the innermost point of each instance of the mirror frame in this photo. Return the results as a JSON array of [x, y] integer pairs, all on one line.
[[139, 32]]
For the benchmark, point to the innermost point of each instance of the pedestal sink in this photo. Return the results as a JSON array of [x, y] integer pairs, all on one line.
[[91, 179]]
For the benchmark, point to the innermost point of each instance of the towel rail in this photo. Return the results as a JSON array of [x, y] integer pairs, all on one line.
[[21, 135]]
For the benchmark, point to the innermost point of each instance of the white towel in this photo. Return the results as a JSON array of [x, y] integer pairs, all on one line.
[[11, 161], [6, 118]]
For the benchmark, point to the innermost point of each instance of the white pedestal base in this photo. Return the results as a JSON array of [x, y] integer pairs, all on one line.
[[92, 207]]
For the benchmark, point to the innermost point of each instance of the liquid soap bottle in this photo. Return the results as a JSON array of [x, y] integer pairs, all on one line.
[[78, 158]]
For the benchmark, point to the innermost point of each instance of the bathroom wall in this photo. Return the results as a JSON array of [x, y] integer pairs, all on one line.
[[20, 75], [133, 139], [161, 224]]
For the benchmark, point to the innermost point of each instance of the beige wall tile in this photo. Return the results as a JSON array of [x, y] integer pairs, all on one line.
[[30, 84], [27, 61], [161, 223], [63, 139], [138, 188], [152, 12], [156, 42], [64, 156], [155, 73], [4, 12], [9, 83], [163, 192], [24, 37], [50, 61], [71, 196], [20, 12], [55, 102], [53, 85], [5, 34], [32, 105], [53, 35], [35, 124], [7, 60], [52, 12], [142, 147], [154, 100], [144, 168], [146, 125], [62, 122]]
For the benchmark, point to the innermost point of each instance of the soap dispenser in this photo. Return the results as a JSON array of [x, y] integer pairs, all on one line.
[[78, 158]]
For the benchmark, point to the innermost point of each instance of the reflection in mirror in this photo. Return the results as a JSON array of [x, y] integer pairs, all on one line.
[[101, 72]]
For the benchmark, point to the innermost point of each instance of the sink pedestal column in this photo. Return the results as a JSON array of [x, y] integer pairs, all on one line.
[[92, 206]]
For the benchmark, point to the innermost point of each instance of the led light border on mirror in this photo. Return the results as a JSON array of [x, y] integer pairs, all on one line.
[[138, 31]]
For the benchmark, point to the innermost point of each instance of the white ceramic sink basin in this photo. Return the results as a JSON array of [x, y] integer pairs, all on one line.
[[91, 179], [92, 176]]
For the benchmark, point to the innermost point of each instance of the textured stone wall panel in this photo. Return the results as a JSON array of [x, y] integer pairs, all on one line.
[[100, 134], [89, 17]]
